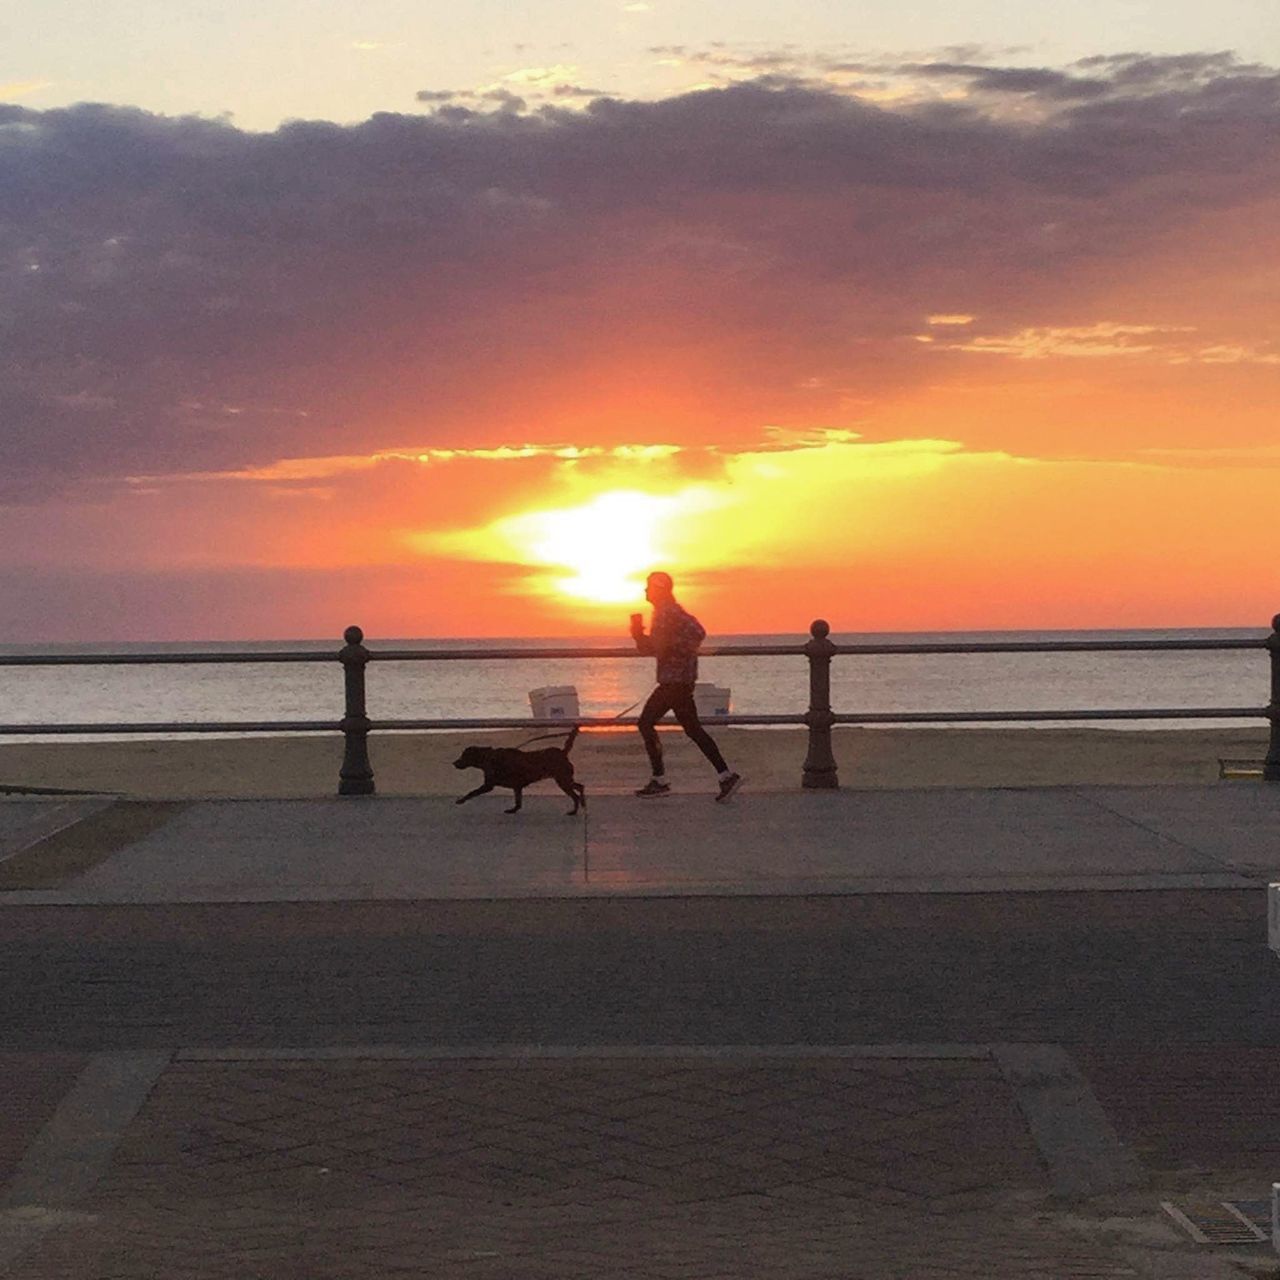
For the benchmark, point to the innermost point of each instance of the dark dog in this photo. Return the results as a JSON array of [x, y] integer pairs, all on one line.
[[510, 767]]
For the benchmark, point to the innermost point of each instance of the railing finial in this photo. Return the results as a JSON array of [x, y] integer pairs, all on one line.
[[819, 628]]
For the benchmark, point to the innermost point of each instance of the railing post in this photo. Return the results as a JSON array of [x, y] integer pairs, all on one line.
[[819, 764], [356, 776], [1271, 766]]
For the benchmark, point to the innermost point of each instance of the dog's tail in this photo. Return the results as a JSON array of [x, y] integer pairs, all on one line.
[[569, 741]]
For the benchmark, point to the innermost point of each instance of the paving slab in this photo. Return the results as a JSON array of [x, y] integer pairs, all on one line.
[[932, 840], [25, 821], [291, 850], [34, 1085], [1237, 825], [877, 841], [69, 849]]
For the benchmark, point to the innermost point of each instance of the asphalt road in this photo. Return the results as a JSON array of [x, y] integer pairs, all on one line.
[[1117, 969]]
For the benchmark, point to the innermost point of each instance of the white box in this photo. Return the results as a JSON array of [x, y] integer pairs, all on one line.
[[554, 702], [711, 700]]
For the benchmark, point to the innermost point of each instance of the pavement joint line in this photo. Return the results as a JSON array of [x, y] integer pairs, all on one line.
[[75, 820], [1084, 1155], [107, 830], [73, 1150], [1160, 835], [505, 1054]]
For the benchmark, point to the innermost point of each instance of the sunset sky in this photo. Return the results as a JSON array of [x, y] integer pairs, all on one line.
[[908, 315]]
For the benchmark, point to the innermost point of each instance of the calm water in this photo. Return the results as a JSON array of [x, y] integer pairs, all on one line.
[[456, 689]]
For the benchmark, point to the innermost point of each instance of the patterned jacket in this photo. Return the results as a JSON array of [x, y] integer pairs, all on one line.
[[674, 639]]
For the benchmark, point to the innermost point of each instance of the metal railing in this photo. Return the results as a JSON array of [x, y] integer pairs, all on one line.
[[819, 769]]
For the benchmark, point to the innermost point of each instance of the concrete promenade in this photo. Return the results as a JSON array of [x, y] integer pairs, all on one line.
[[911, 841], [857, 1034]]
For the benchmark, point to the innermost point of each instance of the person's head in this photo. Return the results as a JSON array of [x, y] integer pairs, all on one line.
[[658, 587]]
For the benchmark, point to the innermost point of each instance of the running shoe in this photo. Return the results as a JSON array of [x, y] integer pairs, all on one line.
[[729, 785], [654, 788]]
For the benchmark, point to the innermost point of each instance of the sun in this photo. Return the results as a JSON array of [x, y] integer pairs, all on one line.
[[598, 552]]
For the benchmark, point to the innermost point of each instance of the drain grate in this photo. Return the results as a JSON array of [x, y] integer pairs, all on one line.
[[1223, 1222], [1257, 1211]]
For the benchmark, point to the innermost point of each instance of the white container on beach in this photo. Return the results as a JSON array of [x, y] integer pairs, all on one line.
[[554, 701], [711, 699]]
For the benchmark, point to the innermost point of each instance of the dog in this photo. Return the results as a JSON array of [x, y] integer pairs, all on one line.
[[511, 767]]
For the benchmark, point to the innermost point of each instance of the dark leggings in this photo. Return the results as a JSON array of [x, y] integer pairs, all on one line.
[[677, 698]]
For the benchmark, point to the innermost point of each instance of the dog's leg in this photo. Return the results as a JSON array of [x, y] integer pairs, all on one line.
[[479, 791], [516, 807], [573, 790]]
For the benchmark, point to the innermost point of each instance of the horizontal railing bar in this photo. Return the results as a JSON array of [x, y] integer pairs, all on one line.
[[485, 655], [994, 717], [178, 726], [709, 651], [156, 659], [583, 722], [379, 655], [1046, 646], [332, 726], [869, 647], [601, 722]]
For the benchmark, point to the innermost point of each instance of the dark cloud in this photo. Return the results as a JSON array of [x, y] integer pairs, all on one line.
[[1041, 81], [576, 91], [177, 295], [1147, 69], [505, 99]]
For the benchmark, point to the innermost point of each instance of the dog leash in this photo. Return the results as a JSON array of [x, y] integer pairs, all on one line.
[[542, 737]]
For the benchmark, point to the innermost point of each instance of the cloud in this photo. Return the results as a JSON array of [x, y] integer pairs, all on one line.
[[542, 76], [295, 470], [1105, 339], [1030, 81], [1229, 354], [179, 296], [1093, 341], [1243, 458], [576, 91]]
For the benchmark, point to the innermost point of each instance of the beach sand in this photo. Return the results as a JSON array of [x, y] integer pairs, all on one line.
[[614, 761]]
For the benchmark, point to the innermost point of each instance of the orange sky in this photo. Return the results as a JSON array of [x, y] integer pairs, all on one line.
[[901, 369]]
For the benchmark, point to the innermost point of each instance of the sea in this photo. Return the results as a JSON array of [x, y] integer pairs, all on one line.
[[458, 689]]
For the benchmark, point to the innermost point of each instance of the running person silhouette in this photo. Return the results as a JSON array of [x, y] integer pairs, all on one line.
[[674, 639]]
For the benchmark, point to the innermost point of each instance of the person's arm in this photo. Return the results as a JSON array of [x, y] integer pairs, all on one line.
[[644, 643]]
